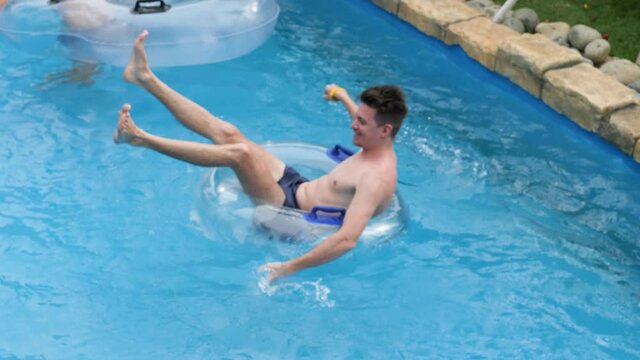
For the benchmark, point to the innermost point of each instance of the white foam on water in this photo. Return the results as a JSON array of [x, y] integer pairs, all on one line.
[[309, 289]]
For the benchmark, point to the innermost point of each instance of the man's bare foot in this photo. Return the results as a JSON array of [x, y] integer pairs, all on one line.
[[127, 131], [138, 71]]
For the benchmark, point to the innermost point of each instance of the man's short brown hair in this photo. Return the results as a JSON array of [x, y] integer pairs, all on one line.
[[389, 103]]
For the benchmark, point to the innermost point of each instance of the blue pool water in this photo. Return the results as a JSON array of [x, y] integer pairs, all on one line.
[[522, 240]]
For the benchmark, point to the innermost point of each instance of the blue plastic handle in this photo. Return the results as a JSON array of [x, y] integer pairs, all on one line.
[[326, 215], [339, 153]]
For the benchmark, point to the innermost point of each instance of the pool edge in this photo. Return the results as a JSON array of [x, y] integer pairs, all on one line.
[[557, 75]]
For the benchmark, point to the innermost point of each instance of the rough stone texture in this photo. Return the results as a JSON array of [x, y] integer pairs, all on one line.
[[553, 27], [636, 153], [638, 60], [622, 69], [588, 61], [556, 31], [597, 51], [432, 17], [389, 5], [479, 38], [480, 4], [526, 58], [561, 39], [491, 11], [514, 24], [581, 35], [528, 17], [623, 129], [585, 94], [635, 86], [611, 58]]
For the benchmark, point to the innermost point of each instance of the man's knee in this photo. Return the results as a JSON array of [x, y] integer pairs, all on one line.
[[228, 133], [241, 154]]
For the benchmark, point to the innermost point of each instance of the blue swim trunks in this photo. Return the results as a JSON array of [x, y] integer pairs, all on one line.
[[289, 183]]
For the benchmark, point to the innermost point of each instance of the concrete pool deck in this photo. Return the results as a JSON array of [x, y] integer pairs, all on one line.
[[557, 75]]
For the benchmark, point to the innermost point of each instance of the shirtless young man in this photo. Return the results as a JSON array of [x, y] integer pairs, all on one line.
[[363, 184]]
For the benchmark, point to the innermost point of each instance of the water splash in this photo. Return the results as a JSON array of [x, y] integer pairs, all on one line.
[[309, 289]]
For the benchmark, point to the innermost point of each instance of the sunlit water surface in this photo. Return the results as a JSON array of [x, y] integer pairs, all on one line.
[[522, 240]]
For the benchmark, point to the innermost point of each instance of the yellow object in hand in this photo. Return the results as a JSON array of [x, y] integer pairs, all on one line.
[[334, 91]]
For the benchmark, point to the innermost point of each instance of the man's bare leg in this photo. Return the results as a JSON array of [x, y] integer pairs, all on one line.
[[190, 114], [253, 173]]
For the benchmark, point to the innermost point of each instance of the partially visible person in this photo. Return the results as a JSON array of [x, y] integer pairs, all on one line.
[[79, 16], [84, 15]]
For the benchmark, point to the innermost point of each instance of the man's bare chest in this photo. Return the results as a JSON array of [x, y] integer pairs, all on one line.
[[345, 177]]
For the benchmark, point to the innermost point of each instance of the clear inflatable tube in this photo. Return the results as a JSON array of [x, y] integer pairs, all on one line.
[[223, 198], [186, 32]]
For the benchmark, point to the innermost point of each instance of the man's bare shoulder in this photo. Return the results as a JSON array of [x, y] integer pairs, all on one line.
[[378, 179]]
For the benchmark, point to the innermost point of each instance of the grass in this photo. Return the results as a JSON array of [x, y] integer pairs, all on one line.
[[620, 19]]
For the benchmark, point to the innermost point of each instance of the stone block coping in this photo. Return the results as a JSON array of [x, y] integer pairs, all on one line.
[[389, 5], [558, 75], [480, 38], [434, 16], [526, 58], [585, 94], [623, 129]]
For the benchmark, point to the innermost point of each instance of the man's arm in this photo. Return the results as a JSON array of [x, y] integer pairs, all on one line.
[[333, 92], [369, 195]]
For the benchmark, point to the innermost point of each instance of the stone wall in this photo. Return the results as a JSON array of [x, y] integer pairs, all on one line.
[[557, 75]]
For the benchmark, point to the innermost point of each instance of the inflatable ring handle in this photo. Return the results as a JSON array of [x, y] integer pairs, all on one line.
[[150, 7], [339, 153], [330, 215]]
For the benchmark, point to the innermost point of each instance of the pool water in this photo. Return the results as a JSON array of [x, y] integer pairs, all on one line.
[[522, 239]]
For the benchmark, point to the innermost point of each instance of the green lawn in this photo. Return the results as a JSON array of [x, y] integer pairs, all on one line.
[[620, 19]]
